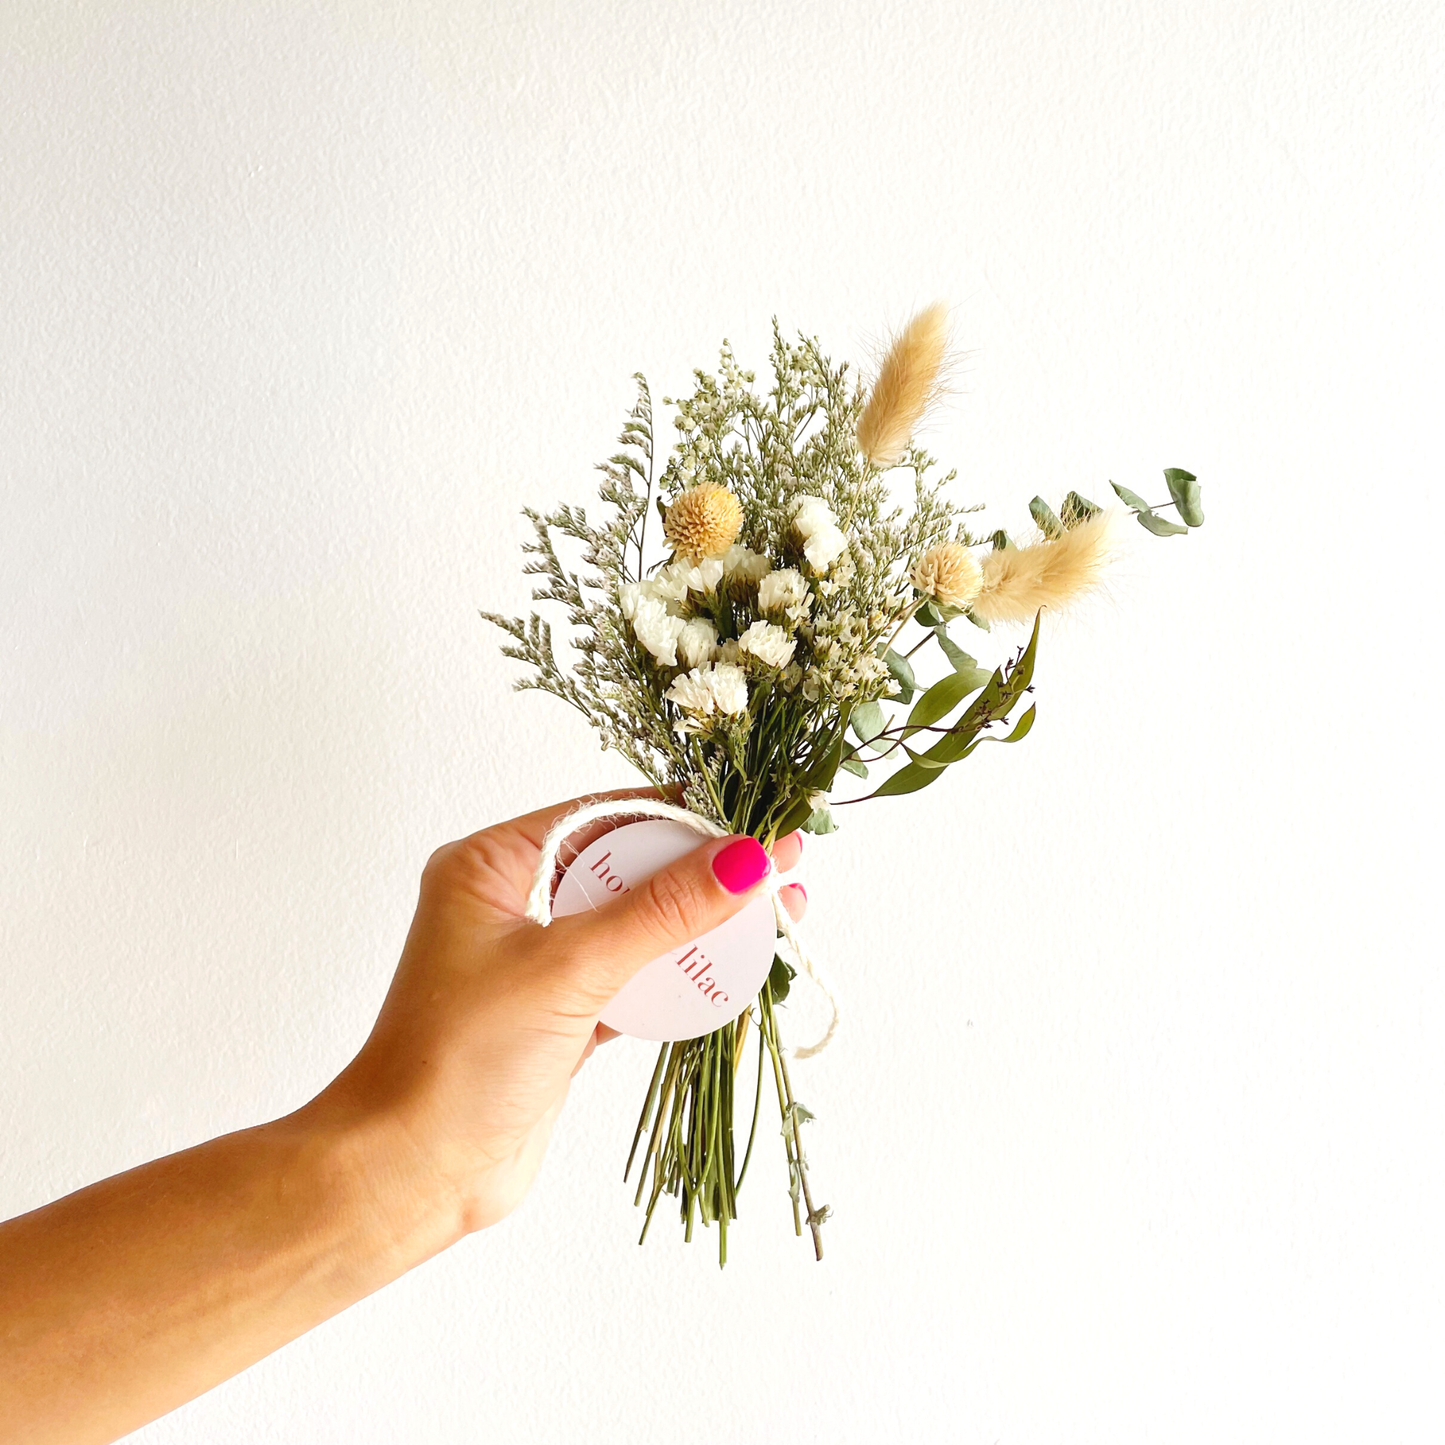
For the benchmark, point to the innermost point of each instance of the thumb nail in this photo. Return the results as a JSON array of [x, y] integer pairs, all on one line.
[[741, 865]]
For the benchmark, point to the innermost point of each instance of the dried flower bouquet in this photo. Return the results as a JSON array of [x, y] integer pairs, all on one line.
[[763, 647]]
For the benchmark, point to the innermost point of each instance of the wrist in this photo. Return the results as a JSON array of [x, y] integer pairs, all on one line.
[[394, 1208]]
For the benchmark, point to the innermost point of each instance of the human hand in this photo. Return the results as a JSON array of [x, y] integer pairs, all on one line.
[[489, 1016]]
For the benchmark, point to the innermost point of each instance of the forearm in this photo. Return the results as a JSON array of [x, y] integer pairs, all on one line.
[[127, 1298]]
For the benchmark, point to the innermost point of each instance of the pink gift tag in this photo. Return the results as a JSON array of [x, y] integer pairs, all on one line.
[[696, 988]]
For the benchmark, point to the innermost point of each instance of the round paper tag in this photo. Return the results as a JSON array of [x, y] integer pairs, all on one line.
[[696, 988]]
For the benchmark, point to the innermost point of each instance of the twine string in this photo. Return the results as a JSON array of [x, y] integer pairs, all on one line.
[[539, 900]]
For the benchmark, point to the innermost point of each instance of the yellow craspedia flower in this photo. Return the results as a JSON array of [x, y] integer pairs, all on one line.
[[703, 521], [949, 573]]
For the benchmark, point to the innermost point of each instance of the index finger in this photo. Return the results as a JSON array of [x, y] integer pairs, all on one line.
[[533, 827]]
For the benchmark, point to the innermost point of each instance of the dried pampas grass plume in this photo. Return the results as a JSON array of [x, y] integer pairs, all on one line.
[[908, 382], [703, 521], [1017, 581]]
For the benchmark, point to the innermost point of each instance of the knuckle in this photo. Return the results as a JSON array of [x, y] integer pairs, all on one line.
[[440, 865], [463, 864], [674, 908]]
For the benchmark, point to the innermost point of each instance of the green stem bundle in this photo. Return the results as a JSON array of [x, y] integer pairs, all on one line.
[[688, 1117]]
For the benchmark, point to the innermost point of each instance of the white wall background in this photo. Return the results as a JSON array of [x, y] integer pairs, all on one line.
[[1135, 1134]]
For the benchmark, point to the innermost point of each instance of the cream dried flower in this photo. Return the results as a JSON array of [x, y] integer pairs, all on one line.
[[907, 384], [739, 561], [812, 513], [703, 521], [691, 693], [630, 594], [697, 642], [948, 573], [670, 583], [703, 691], [729, 685], [768, 643], [657, 630], [679, 578], [784, 591], [823, 540], [1017, 581]]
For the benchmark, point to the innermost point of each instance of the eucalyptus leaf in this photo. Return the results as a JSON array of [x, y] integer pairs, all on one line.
[[1184, 488], [856, 766], [907, 780], [993, 703], [1048, 523], [1160, 526], [929, 615], [1023, 727], [1077, 509], [1130, 499], [902, 671], [819, 778], [780, 978], [978, 622], [945, 695], [868, 721], [1000, 540], [926, 760], [958, 659], [796, 816], [821, 822]]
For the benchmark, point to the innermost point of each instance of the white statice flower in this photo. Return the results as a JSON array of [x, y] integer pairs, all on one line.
[[705, 575], [729, 684], [823, 539], [697, 642], [657, 629], [670, 584], [790, 677], [630, 594], [738, 561], [690, 691], [784, 591], [704, 692], [679, 578], [768, 643], [729, 651], [812, 514], [824, 548]]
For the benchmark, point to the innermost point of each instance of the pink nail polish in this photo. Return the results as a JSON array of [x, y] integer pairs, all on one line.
[[741, 865], [800, 889]]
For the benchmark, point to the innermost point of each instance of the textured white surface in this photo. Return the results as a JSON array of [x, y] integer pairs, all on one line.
[[300, 304]]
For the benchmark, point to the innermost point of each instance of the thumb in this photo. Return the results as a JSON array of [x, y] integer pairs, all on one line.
[[680, 902]]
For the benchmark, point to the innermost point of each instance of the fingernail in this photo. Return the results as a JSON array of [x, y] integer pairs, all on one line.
[[799, 887], [741, 865]]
